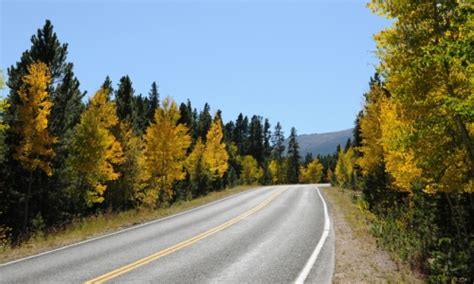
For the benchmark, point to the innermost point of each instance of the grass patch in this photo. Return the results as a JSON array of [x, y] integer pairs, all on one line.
[[101, 224]]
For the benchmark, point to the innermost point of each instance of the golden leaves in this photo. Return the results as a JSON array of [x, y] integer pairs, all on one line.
[[34, 149], [422, 132], [215, 154], [345, 167], [166, 143], [95, 149], [312, 173], [251, 172]]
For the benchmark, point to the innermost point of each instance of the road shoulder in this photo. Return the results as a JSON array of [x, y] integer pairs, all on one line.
[[358, 259]]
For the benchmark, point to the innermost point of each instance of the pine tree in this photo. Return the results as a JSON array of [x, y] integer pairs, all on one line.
[[153, 102], [66, 98], [124, 99], [228, 131], [256, 139], [107, 85], [204, 122], [293, 169], [241, 133], [187, 117], [308, 159], [278, 141], [139, 113], [267, 136], [63, 86]]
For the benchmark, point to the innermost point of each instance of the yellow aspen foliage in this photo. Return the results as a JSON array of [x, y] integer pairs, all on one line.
[[251, 172], [95, 150], [166, 143], [345, 168], [312, 173], [133, 177], [215, 155], [400, 160], [34, 149], [425, 59], [274, 171], [195, 164], [371, 149]]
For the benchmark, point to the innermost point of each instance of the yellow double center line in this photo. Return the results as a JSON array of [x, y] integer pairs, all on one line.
[[124, 269]]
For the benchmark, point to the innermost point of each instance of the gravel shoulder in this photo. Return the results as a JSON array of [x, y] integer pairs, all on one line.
[[358, 259]]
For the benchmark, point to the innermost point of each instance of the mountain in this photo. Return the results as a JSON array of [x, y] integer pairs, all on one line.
[[322, 143]]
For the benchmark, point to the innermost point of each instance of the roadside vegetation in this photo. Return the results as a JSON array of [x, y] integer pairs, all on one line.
[[358, 257], [412, 156]]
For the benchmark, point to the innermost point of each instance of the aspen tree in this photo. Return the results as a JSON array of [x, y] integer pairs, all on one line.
[[166, 143], [35, 147]]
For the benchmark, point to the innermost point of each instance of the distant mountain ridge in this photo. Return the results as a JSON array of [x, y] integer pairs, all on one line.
[[322, 143]]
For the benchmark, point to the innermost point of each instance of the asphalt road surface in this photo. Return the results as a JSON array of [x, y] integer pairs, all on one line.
[[277, 234]]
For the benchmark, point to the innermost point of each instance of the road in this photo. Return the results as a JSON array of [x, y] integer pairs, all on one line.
[[265, 235]]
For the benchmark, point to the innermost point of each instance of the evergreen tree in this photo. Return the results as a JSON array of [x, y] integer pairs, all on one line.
[[278, 149], [357, 142], [228, 131], [267, 136], [308, 159], [107, 85], [124, 99], [241, 133], [204, 122], [139, 113], [348, 144], [63, 89], [293, 169], [256, 139], [153, 102], [188, 118]]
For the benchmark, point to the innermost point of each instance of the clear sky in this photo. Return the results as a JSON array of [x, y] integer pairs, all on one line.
[[303, 63]]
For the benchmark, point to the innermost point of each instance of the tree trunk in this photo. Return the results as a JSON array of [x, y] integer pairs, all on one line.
[[27, 199], [453, 215]]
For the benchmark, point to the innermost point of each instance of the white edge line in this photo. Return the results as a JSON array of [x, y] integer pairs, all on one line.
[[312, 259], [129, 228]]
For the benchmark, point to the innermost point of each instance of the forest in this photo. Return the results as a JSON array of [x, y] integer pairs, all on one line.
[[66, 154], [412, 156]]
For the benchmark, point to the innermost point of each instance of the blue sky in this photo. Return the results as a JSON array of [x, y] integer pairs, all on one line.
[[303, 63]]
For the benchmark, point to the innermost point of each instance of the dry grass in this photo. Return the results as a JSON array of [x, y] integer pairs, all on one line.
[[106, 223], [358, 259]]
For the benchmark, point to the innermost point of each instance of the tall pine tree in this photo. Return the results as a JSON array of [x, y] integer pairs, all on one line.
[[293, 169]]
